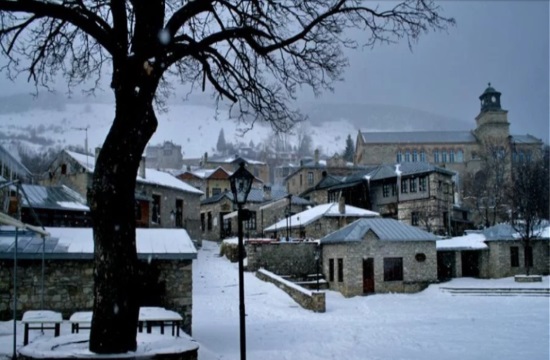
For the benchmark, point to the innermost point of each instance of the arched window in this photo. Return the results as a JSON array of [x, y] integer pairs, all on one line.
[[407, 156], [415, 155], [451, 156], [444, 156], [422, 156], [436, 156], [399, 157]]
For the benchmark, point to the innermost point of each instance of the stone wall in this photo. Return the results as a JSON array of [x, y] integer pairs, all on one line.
[[499, 262], [305, 298], [68, 286], [295, 259]]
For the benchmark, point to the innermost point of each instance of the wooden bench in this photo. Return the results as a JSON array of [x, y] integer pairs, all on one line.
[[33, 318], [148, 316], [157, 315], [80, 320]]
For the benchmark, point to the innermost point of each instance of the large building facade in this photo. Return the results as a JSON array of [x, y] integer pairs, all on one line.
[[460, 151]]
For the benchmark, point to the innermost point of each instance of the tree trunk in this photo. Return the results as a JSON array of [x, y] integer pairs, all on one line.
[[112, 201]]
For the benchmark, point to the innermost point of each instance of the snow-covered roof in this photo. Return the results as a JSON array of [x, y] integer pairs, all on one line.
[[324, 210], [433, 137], [474, 241], [385, 229], [78, 243], [53, 197], [152, 176]]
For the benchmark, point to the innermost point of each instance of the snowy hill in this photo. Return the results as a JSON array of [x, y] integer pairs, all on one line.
[[40, 125]]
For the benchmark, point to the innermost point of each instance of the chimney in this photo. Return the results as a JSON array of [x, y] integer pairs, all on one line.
[[141, 171], [267, 192], [316, 156], [342, 205], [205, 159]]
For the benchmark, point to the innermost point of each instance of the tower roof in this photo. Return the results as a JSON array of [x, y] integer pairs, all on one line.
[[490, 99]]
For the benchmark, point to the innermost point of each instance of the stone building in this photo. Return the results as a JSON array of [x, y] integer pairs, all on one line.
[[460, 151], [495, 252], [377, 255], [162, 200], [165, 256], [317, 221], [165, 156], [230, 164]]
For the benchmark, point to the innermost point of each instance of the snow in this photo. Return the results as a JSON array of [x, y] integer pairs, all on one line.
[[149, 241], [430, 325], [152, 176], [308, 216], [467, 242], [73, 205]]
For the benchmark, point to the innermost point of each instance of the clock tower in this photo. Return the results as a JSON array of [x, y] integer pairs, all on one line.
[[492, 121]]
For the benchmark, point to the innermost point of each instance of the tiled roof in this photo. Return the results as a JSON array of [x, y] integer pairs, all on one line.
[[385, 229], [418, 137]]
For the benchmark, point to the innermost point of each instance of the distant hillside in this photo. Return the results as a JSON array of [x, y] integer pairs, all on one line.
[[52, 121]]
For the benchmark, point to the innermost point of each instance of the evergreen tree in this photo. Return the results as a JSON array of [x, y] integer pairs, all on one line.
[[349, 152], [221, 145]]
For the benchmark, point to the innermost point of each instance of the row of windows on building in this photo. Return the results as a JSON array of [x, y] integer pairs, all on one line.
[[393, 269], [438, 156]]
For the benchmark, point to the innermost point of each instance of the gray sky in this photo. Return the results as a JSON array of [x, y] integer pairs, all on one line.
[[502, 42]]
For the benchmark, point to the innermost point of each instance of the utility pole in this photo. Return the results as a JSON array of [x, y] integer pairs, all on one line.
[[85, 140]]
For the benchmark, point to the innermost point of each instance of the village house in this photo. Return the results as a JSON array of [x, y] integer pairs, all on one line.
[[162, 201], [164, 156], [211, 182], [66, 286], [379, 255], [317, 221], [495, 252], [257, 168]]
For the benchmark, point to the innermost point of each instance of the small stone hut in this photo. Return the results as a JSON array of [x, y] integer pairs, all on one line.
[[379, 255]]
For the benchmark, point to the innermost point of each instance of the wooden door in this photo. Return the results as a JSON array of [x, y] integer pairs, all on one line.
[[368, 276]]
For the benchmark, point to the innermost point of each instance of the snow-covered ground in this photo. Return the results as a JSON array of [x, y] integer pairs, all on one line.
[[429, 325]]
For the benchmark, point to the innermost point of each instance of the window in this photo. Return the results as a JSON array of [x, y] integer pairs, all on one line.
[[528, 256], [422, 156], [216, 191], [331, 270], [203, 227], [415, 218], [412, 185], [250, 224], [386, 190], [452, 156], [399, 157], [514, 256], [393, 269], [436, 156], [422, 184], [167, 152], [393, 189], [404, 188], [444, 156], [340, 270], [415, 156], [64, 169], [179, 213], [301, 180], [209, 220], [407, 156], [310, 178], [459, 156], [156, 209]]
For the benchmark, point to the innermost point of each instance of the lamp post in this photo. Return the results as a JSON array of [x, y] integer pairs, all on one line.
[[317, 258], [241, 181]]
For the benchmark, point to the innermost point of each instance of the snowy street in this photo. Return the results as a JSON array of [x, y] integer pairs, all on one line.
[[425, 326]]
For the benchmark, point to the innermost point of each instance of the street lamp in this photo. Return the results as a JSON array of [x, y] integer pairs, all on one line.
[[317, 258], [241, 181]]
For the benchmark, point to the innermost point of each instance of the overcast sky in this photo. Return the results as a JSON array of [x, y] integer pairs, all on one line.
[[502, 42]]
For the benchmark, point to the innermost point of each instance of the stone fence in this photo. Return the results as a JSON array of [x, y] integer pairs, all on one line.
[[296, 259], [307, 299]]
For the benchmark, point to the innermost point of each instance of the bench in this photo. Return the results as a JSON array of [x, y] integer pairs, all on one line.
[[157, 315], [33, 318], [148, 316], [80, 320]]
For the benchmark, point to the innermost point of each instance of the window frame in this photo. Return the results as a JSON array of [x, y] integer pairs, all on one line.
[[340, 270], [514, 256], [393, 269]]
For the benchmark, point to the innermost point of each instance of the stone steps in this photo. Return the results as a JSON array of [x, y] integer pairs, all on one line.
[[498, 291]]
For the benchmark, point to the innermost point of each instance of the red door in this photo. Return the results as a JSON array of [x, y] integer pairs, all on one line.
[[368, 276]]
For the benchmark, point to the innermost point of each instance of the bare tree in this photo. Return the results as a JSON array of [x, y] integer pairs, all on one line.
[[530, 200], [485, 190], [254, 53]]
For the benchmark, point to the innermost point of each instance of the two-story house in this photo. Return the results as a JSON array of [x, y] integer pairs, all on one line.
[[162, 200]]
